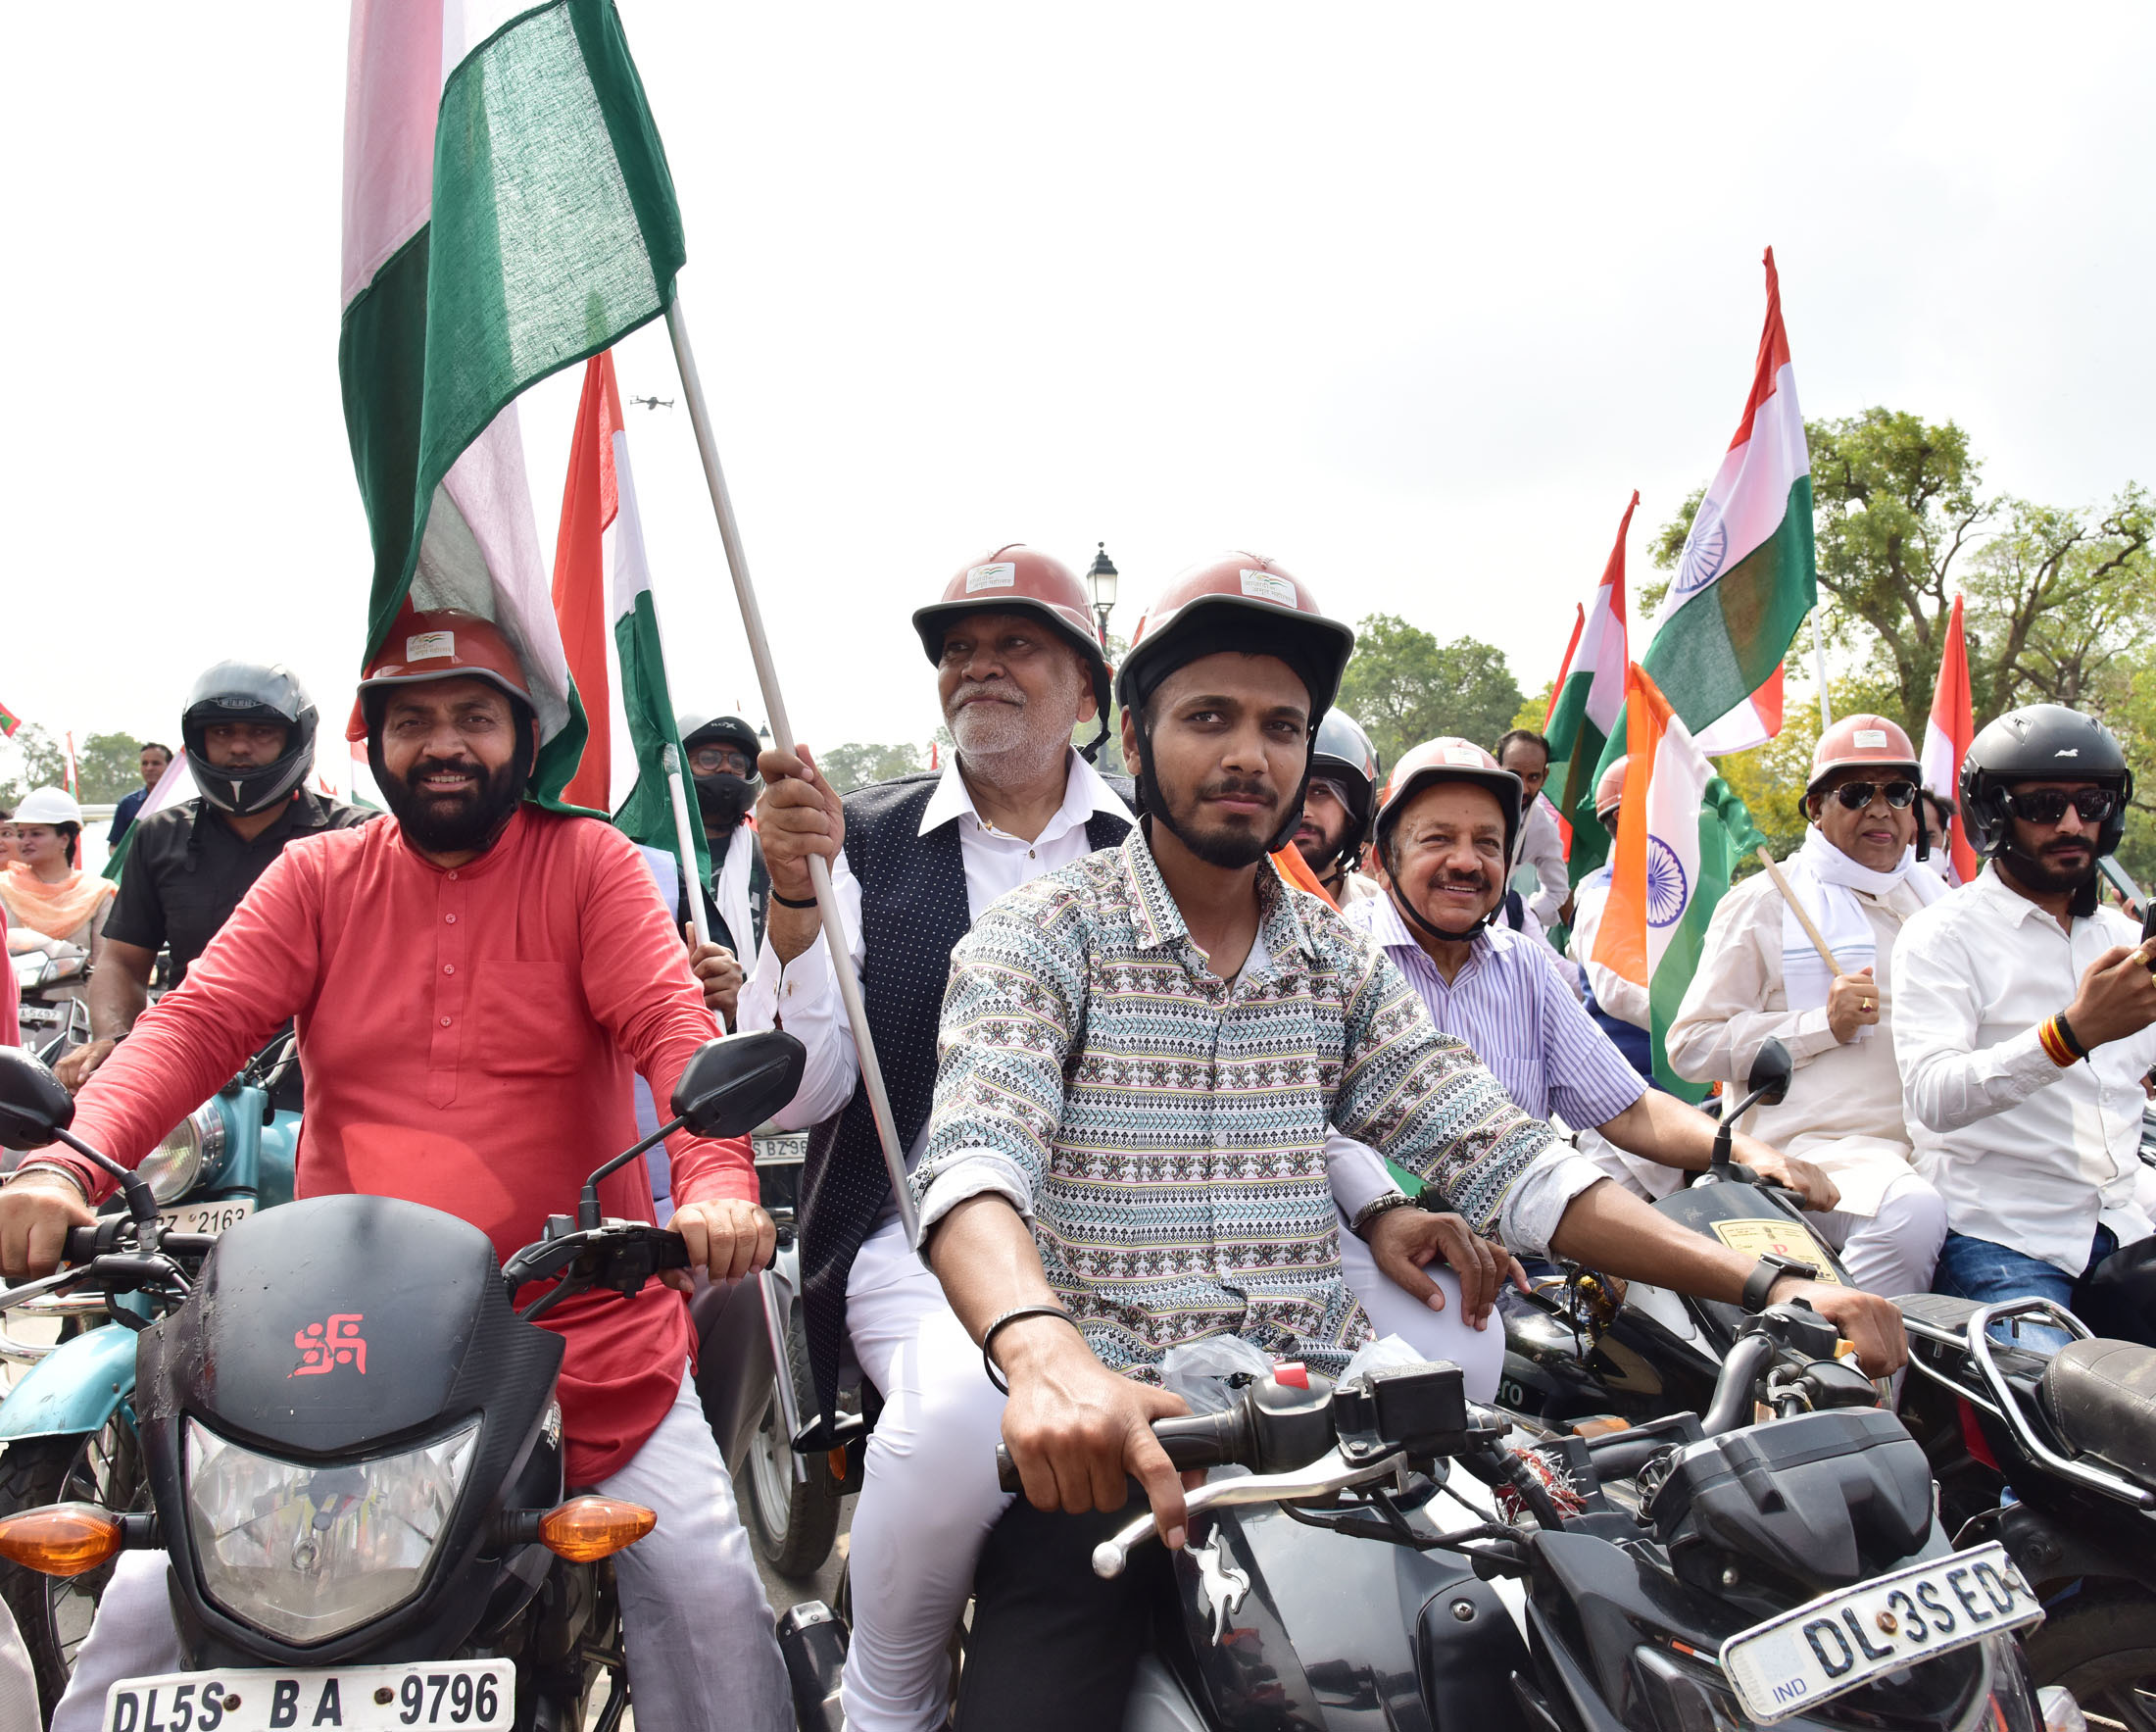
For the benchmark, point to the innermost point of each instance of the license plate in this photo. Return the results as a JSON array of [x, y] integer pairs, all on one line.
[[361, 1699], [207, 1218], [1840, 1641]]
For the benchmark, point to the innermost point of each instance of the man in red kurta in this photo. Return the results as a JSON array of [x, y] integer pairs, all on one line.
[[474, 983]]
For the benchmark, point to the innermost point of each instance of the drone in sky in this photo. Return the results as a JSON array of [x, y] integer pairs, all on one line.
[[654, 402]]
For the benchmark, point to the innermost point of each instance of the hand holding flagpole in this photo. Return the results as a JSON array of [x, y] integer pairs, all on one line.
[[782, 738]]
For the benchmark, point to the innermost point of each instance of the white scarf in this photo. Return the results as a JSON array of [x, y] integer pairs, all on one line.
[[1825, 881], [731, 892]]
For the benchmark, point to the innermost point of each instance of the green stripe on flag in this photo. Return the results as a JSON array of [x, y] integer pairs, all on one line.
[[647, 815], [1720, 646], [1726, 832]]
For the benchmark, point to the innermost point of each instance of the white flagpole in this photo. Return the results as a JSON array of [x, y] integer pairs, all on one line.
[[782, 737], [1819, 671], [685, 840]]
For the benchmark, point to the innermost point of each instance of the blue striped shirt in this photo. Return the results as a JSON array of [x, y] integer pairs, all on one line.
[[1510, 1004]]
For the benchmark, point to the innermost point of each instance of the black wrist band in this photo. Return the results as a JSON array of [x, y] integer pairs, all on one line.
[[988, 1336], [1769, 1270], [2067, 1034], [789, 902]]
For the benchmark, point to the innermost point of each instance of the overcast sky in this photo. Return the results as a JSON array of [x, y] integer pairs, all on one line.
[[1409, 298]]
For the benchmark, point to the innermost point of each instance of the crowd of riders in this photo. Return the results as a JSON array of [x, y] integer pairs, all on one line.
[[1159, 1051]]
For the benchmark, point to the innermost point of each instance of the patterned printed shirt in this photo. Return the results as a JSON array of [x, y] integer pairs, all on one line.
[[1165, 1130]]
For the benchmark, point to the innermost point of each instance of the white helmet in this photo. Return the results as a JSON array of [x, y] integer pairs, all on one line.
[[49, 805]]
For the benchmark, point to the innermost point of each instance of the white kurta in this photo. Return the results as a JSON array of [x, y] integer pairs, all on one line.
[[1844, 1112]]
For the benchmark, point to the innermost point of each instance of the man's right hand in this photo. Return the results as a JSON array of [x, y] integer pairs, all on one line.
[[76, 1068], [1078, 1432], [1852, 1004], [797, 815], [36, 1210], [2118, 997], [1869, 1323]]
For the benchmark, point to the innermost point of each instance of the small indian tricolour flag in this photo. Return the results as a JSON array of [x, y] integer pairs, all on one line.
[[1668, 865], [610, 628], [177, 783], [1946, 737], [9, 722], [1590, 696], [508, 212], [1747, 578]]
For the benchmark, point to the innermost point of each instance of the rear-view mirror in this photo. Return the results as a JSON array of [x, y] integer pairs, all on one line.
[[733, 1085], [34, 1106], [1770, 1075]]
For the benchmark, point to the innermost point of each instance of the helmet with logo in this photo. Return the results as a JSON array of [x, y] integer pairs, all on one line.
[[1862, 742], [49, 805], [1237, 601], [444, 643], [249, 692], [1019, 580], [1448, 758], [698, 730], [1609, 792], [1345, 757], [2039, 742]]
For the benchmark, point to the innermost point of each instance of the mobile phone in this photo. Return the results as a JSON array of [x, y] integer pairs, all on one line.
[[2148, 919]]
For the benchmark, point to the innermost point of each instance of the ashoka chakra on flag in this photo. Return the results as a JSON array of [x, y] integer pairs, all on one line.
[[1667, 887]]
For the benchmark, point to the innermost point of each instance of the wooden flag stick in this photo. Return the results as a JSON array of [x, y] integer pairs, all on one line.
[[1796, 907], [782, 737]]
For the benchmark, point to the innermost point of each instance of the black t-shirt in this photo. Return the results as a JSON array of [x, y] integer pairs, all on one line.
[[187, 870]]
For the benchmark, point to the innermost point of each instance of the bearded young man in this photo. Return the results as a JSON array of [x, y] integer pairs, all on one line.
[[913, 863], [1139, 1058], [473, 980], [2025, 1020], [1760, 978]]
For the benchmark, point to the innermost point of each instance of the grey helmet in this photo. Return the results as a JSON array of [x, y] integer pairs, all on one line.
[[249, 691], [1343, 756]]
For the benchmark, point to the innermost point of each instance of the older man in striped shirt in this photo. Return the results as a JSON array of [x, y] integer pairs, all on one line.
[[1443, 831]]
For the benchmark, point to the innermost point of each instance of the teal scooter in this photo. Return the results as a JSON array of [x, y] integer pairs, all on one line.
[[68, 1422]]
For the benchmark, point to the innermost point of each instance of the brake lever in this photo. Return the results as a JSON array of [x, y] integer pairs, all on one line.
[[1321, 1478]]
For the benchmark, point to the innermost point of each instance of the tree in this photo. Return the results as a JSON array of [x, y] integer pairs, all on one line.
[[1405, 687], [109, 763], [854, 766]]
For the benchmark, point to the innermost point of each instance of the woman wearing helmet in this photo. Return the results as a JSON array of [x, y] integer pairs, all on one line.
[[1141, 1057], [53, 905]]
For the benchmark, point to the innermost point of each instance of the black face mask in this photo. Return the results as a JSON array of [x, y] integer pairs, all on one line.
[[724, 799], [453, 826]]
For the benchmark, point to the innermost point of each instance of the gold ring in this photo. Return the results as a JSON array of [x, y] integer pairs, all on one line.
[[1867, 1004]]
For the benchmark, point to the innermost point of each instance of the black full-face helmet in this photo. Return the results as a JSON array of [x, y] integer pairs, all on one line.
[[2039, 743], [249, 691]]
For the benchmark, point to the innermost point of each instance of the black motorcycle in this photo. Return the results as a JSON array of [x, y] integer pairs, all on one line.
[[350, 1432], [2052, 1454]]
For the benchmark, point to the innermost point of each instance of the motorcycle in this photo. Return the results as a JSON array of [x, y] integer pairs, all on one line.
[[1695, 1574], [48, 987], [69, 1424], [394, 1558], [2052, 1454]]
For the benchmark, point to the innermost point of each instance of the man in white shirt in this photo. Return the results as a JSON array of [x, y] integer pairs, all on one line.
[[1761, 978], [1526, 754], [1018, 669], [2024, 1019]]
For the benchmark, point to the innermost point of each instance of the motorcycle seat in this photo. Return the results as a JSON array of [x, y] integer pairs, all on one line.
[[2101, 1396]]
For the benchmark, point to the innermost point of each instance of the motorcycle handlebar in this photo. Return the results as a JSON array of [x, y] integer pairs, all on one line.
[[82, 1245], [1197, 1439]]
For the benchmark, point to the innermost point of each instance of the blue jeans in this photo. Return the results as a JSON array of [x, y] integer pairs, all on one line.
[[1993, 1274]]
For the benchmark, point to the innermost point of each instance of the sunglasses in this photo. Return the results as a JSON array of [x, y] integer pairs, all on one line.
[[2047, 806], [1856, 796]]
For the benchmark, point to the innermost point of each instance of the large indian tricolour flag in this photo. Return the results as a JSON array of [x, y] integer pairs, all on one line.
[[1669, 866], [610, 628], [508, 212], [1582, 713], [1747, 578]]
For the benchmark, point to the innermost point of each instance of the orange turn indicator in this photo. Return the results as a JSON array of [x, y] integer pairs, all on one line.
[[60, 1539], [586, 1529]]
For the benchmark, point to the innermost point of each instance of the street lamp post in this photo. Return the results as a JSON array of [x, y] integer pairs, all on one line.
[[1101, 582]]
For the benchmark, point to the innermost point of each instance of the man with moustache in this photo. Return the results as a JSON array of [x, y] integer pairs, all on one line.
[[1139, 1058], [1337, 809], [1018, 670], [2024, 1019], [473, 980]]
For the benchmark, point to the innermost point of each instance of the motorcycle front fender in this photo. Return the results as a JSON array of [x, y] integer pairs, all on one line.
[[73, 1389]]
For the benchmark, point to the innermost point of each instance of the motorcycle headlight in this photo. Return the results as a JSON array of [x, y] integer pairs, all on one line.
[[307, 1552], [192, 1148]]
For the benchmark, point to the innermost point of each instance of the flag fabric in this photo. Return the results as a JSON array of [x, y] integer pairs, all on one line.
[[9, 722], [609, 632], [1291, 865], [508, 212], [1747, 576], [1583, 713], [1753, 722], [73, 779], [1564, 670], [1946, 737], [177, 783], [1677, 832]]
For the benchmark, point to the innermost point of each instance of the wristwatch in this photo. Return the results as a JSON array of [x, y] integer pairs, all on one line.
[[1770, 1268]]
